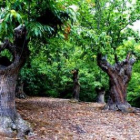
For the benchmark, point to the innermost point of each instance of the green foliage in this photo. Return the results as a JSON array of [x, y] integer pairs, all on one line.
[[42, 18], [134, 87], [59, 45], [7, 54]]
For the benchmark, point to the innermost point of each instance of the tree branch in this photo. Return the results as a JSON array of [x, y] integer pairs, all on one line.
[[128, 56], [19, 49], [4, 45], [103, 63]]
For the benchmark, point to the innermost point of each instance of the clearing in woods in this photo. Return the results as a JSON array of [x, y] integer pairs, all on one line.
[[61, 119]]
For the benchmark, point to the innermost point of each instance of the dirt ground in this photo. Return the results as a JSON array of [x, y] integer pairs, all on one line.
[[62, 119]]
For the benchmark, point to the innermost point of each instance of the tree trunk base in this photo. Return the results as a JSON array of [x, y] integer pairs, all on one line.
[[124, 107], [74, 100], [18, 127], [21, 95]]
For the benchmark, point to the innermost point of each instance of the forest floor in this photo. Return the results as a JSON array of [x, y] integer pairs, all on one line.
[[62, 119]]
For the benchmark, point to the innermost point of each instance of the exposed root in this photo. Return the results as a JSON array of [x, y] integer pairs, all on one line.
[[73, 100], [12, 128], [124, 107]]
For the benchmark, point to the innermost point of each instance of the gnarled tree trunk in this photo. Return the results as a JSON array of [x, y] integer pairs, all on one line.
[[119, 76], [76, 84], [10, 120]]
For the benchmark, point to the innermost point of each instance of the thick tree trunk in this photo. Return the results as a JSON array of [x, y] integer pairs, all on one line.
[[10, 120], [119, 76], [7, 95], [76, 85]]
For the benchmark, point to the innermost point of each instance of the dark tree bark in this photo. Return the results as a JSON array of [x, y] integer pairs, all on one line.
[[10, 120], [119, 77], [76, 84], [100, 95], [19, 90]]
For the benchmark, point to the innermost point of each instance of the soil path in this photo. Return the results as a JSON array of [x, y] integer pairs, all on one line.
[[61, 119]]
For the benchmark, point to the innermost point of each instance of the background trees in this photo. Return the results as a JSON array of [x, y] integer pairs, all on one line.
[[96, 26]]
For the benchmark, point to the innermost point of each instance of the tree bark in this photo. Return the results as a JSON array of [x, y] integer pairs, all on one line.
[[100, 95], [19, 90], [76, 84], [10, 120], [119, 77]]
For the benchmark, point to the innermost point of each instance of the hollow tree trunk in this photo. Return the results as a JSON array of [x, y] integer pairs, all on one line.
[[10, 120], [119, 76], [76, 84]]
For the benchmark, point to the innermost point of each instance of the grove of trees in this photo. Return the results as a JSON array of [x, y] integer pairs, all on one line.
[[50, 38]]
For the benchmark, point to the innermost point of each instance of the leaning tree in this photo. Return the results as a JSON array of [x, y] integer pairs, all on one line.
[[42, 21]]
